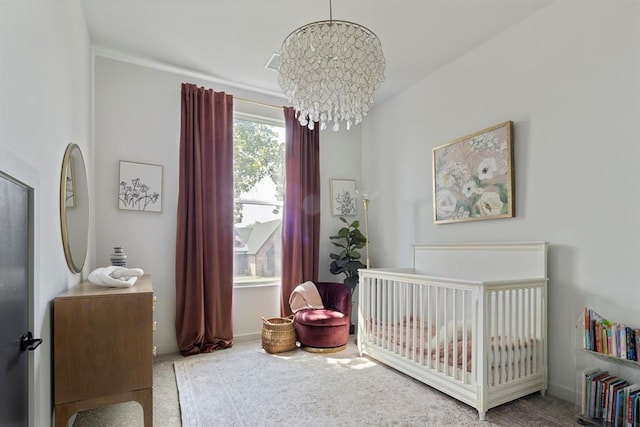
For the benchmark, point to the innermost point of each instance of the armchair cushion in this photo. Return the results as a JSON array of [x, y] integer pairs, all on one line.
[[321, 317]]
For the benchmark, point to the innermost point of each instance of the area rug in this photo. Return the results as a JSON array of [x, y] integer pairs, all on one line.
[[245, 386]]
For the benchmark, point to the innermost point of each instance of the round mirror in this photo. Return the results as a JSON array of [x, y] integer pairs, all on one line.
[[74, 208]]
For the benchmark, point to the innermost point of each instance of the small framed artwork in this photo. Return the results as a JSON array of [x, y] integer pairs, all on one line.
[[140, 187], [473, 177], [343, 197]]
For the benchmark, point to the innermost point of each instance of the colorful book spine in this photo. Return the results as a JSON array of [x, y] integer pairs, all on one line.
[[609, 332], [631, 344], [587, 329], [598, 337]]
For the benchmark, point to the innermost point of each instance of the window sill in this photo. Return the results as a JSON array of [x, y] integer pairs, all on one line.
[[256, 284]]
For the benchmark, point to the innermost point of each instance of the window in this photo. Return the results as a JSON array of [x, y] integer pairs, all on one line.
[[258, 156]]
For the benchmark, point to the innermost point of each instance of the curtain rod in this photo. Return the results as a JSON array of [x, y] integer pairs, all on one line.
[[263, 104]]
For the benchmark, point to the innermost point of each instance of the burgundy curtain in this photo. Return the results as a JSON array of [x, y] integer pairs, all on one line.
[[301, 222], [204, 238]]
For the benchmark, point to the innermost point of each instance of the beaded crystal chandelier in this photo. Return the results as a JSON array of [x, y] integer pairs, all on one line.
[[330, 70]]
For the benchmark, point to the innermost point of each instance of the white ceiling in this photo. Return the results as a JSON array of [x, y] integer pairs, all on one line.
[[231, 40]]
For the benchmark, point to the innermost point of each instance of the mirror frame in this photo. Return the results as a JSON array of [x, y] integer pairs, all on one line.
[[74, 265]]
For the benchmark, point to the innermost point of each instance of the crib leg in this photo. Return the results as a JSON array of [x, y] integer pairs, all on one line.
[[481, 415]]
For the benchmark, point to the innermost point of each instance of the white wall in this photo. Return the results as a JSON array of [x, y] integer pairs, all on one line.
[[339, 159], [45, 103], [569, 78], [138, 119]]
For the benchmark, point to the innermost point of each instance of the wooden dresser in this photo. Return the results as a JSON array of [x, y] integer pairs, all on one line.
[[103, 348]]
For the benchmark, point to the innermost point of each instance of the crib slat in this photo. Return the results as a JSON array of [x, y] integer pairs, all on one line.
[[495, 344], [465, 334], [420, 346], [512, 312], [417, 316], [534, 332], [444, 336], [430, 323], [525, 334], [521, 329]]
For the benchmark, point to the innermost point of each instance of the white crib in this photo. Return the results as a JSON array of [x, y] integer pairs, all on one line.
[[467, 319]]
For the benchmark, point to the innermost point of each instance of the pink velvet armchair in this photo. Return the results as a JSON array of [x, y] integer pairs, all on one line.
[[327, 329]]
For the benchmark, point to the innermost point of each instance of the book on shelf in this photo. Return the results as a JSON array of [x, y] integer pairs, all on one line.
[[610, 412], [636, 411], [631, 344]]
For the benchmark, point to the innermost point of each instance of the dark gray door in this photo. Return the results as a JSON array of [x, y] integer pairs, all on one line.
[[14, 300]]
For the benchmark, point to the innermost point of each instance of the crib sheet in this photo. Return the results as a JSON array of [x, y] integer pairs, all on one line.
[[512, 355]]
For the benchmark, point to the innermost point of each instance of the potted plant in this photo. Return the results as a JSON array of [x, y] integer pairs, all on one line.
[[350, 240]]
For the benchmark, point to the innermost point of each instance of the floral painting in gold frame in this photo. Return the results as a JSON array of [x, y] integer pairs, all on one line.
[[473, 177]]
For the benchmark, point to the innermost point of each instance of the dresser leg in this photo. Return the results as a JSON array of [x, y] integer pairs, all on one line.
[[64, 412], [145, 399]]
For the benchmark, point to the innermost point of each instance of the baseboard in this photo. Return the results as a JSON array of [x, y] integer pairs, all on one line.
[[562, 392], [247, 337], [170, 349], [166, 349]]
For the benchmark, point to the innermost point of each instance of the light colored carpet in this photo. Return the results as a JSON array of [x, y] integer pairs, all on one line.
[[245, 386]]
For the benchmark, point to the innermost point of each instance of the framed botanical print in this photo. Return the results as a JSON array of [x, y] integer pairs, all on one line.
[[140, 187], [343, 197]]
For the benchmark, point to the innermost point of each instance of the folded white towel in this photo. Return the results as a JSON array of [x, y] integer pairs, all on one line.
[[112, 276], [125, 273]]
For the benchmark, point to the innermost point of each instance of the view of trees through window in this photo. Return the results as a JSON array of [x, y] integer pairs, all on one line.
[[258, 168]]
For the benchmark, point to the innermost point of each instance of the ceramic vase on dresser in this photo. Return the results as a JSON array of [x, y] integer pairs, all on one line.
[[118, 257]]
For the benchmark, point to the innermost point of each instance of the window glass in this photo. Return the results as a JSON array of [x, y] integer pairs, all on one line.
[[258, 167]]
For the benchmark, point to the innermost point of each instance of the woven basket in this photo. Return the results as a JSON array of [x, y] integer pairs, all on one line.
[[278, 334]]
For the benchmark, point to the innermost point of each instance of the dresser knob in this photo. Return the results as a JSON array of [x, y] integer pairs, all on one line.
[[155, 325], [154, 350]]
